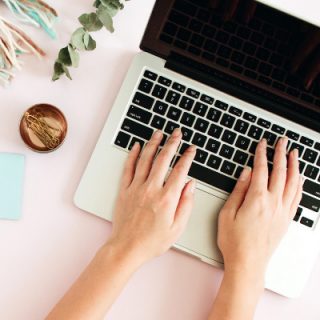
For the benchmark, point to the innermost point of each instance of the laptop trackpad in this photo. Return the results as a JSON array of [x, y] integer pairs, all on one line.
[[201, 233]]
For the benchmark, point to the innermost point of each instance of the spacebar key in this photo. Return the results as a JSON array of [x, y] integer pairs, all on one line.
[[213, 178], [137, 129]]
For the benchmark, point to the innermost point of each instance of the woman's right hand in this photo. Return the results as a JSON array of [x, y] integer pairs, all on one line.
[[259, 210]]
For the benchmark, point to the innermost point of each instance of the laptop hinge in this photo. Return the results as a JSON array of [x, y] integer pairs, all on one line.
[[242, 90]]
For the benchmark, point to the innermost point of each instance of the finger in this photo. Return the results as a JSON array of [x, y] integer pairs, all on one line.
[[279, 172], [297, 198], [312, 70], [250, 10], [230, 9], [309, 43], [161, 165], [130, 166], [239, 192], [185, 206], [293, 177], [147, 156], [178, 175], [259, 179]]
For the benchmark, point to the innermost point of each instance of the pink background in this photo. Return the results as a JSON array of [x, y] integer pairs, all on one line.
[[43, 253]]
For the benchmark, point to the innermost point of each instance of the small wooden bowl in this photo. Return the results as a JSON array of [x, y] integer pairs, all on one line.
[[53, 117]]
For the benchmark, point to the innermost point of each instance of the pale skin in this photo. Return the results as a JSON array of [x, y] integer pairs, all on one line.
[[152, 212]]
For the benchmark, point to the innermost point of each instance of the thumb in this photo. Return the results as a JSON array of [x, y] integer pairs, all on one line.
[[239, 192], [185, 205]]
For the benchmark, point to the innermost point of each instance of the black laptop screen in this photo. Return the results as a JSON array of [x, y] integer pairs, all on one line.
[[246, 41]]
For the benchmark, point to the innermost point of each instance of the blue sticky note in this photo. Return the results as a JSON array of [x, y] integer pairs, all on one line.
[[11, 185]]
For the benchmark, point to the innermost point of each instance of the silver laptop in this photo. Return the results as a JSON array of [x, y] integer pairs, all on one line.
[[227, 84]]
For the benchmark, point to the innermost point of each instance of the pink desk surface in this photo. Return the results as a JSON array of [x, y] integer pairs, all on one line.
[[43, 253]]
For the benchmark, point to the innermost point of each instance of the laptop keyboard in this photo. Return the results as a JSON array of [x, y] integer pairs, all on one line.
[[258, 51], [225, 135]]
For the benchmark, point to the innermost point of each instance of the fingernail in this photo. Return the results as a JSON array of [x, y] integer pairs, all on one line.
[[135, 145], [296, 154], [284, 142], [157, 134], [245, 174], [192, 148], [192, 186], [176, 133], [263, 142]]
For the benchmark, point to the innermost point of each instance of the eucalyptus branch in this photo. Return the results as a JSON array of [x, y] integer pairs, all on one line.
[[81, 39]]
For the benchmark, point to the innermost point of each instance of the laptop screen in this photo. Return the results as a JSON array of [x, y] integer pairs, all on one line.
[[262, 51]]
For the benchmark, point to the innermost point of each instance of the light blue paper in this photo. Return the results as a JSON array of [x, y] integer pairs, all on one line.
[[11, 185]]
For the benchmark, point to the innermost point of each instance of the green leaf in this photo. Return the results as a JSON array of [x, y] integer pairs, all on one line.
[[66, 71], [97, 3], [77, 39], [64, 57], [112, 8], [105, 18], [90, 21], [74, 56], [58, 71], [89, 42], [115, 3]]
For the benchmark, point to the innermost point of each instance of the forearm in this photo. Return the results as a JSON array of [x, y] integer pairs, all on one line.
[[94, 292], [238, 296]]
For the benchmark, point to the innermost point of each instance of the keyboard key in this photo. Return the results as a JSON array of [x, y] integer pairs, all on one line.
[[297, 146], [158, 122], [310, 203], [201, 125], [250, 117], [173, 97], [201, 156], [213, 145], [242, 143], [229, 136], [170, 29], [183, 148], [187, 119], [307, 222], [160, 107], [142, 100], [221, 105], [139, 114], [200, 109], [226, 151], [179, 87], [292, 135], [227, 120], [306, 141], [179, 18], [238, 172], [312, 188], [170, 127], [235, 111], [159, 91], [301, 166], [215, 131], [137, 129], [214, 115], [174, 113], [212, 177], [264, 123], [165, 81], [270, 137], [122, 140], [255, 132], [278, 129], [193, 93], [240, 157], [253, 147], [270, 154], [199, 139], [250, 162], [298, 214], [186, 103], [186, 134], [150, 75], [310, 155], [317, 146], [214, 162], [134, 140], [207, 99], [311, 172], [241, 126], [145, 86], [228, 167]]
